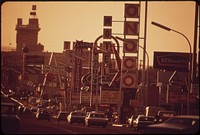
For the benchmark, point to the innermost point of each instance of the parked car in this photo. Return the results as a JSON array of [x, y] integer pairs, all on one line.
[[33, 109], [22, 109], [76, 117], [180, 124], [96, 118], [43, 114], [62, 116], [164, 115], [142, 121], [10, 121], [130, 121]]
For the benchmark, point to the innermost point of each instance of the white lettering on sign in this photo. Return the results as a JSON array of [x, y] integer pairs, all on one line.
[[106, 71], [109, 97], [53, 69]]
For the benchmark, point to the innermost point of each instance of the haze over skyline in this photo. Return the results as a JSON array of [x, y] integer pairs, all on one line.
[[71, 21]]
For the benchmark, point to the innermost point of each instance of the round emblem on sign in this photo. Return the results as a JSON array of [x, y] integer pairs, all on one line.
[[129, 47], [128, 80], [129, 63], [131, 10]]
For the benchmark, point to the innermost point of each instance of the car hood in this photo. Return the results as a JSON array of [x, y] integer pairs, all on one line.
[[165, 128], [168, 126]]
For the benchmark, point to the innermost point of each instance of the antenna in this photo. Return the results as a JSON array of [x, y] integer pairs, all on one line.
[[33, 12]]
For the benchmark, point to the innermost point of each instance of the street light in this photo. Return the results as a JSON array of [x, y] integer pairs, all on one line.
[[190, 59]]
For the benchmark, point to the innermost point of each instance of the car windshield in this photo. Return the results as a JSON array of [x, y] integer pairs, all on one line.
[[182, 121]]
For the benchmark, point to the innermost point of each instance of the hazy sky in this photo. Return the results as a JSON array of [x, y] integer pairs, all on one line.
[[71, 21]]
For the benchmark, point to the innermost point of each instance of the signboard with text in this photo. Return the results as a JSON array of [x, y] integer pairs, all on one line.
[[171, 61]]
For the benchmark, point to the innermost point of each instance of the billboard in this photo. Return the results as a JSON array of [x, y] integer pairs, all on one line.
[[171, 61]]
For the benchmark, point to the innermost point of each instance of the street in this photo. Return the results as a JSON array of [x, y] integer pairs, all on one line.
[[30, 125]]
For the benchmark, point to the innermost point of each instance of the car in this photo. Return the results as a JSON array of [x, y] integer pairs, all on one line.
[[130, 121], [62, 116], [21, 109], [10, 121], [34, 109], [164, 115], [96, 118], [141, 122], [43, 114], [179, 124], [76, 116]]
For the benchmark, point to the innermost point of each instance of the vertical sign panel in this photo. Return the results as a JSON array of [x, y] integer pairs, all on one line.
[[107, 21], [107, 33], [131, 28], [77, 71], [132, 11], [131, 48]]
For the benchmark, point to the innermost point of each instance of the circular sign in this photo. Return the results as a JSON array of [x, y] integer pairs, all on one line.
[[129, 63], [129, 47], [128, 80]]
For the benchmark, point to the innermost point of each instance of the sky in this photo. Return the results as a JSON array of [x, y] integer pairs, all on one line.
[[83, 20]]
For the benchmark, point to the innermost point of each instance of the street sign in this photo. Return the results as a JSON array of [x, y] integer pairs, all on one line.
[[171, 61], [132, 11], [131, 28], [53, 69], [131, 48], [107, 21], [109, 97]]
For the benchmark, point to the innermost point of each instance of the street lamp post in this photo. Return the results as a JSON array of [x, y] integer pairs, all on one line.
[[190, 60]]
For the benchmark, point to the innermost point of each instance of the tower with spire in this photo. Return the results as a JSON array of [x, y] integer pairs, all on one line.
[[27, 35]]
